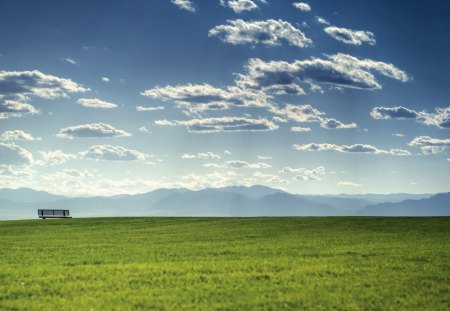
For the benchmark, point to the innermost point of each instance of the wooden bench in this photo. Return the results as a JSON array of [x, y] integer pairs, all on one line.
[[53, 213]]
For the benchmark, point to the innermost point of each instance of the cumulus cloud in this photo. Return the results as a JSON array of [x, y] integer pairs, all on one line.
[[260, 157], [237, 164], [239, 6], [16, 87], [349, 36], [270, 178], [307, 113], [356, 148], [144, 130], [196, 98], [304, 173], [91, 130], [335, 124], [56, 157], [201, 155], [18, 135], [338, 70], [113, 153], [302, 6], [348, 184], [222, 124], [430, 145], [11, 154], [95, 103], [397, 112], [440, 118], [322, 20], [300, 129], [267, 32], [184, 5], [105, 79], [155, 108]]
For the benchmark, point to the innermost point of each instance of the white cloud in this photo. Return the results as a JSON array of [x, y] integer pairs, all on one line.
[[113, 153], [398, 135], [338, 71], [270, 178], [56, 157], [222, 124], [335, 124], [91, 130], [304, 173], [356, 148], [349, 184], [260, 157], [441, 118], [155, 108], [430, 145], [237, 164], [300, 129], [397, 112], [18, 135], [349, 36], [302, 6], [322, 20], [239, 6], [105, 79], [144, 130], [227, 152], [95, 103], [70, 61], [268, 32], [201, 155], [184, 5], [194, 99], [16, 87], [11, 154]]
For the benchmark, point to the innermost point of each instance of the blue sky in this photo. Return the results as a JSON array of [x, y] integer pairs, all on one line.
[[108, 97]]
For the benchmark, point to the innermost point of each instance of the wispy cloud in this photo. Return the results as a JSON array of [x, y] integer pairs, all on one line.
[[349, 36], [91, 130]]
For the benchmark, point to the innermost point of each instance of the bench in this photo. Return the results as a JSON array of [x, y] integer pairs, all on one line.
[[53, 213]]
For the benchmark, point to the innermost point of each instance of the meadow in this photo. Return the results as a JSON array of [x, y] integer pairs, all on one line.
[[225, 263]]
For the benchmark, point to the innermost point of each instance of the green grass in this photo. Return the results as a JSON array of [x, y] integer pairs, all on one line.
[[225, 263]]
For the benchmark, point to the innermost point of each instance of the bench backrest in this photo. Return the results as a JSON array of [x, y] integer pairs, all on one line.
[[53, 212]]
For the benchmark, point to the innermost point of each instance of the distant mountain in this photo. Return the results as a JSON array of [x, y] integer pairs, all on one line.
[[437, 205], [227, 201], [376, 198]]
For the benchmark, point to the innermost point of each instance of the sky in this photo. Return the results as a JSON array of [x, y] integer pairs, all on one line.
[[317, 97]]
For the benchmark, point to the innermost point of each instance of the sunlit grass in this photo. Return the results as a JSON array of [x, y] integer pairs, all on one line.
[[225, 263]]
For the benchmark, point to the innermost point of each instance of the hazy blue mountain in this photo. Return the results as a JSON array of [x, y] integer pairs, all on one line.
[[376, 198], [228, 201], [28, 195], [437, 205]]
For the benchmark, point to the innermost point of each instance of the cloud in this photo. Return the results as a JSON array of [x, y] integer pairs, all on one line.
[[196, 98], [348, 184], [16, 87], [356, 148], [144, 130], [239, 6], [184, 5], [70, 61], [222, 124], [306, 113], [302, 6], [322, 20], [335, 124], [267, 32], [304, 173], [140, 108], [201, 155], [105, 79], [349, 36], [260, 157], [56, 157], [270, 178], [18, 135], [300, 129], [236, 164], [398, 135], [430, 145], [113, 153], [440, 118], [11, 154], [338, 71], [398, 112], [91, 130], [95, 103]]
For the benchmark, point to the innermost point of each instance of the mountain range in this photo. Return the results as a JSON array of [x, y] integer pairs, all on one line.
[[228, 201]]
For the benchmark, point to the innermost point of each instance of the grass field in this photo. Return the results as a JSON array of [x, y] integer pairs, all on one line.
[[225, 263]]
